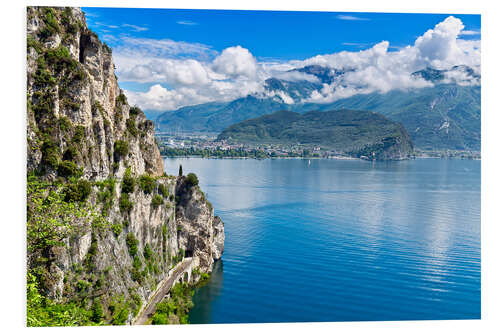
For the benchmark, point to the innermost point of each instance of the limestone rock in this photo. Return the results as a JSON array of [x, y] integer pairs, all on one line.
[[78, 114]]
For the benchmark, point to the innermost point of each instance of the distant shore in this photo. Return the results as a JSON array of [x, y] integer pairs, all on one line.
[[316, 158]]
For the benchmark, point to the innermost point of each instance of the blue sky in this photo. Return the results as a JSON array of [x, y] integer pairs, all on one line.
[[188, 39], [299, 34]]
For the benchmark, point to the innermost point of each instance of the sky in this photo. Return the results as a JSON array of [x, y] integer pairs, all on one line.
[[169, 58]]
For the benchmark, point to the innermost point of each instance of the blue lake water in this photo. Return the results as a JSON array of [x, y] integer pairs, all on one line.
[[341, 240]]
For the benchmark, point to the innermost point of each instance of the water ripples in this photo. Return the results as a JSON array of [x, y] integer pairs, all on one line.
[[342, 240]]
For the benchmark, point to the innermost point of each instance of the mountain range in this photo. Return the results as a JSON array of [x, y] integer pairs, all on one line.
[[445, 115]]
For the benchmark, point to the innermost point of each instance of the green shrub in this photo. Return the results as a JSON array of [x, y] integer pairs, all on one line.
[[117, 228], [147, 183], [121, 99], [43, 77], [132, 244], [61, 61], [131, 127], [148, 253], [58, 54], [136, 275], [69, 169], [157, 201], [64, 123], [159, 319], [163, 190], [106, 194], [137, 263], [43, 311], [51, 24], [78, 192], [82, 285], [79, 134], [97, 312], [134, 111], [50, 153], [164, 231], [192, 179], [121, 148], [137, 302], [32, 42], [128, 182], [179, 305], [121, 317], [125, 203]]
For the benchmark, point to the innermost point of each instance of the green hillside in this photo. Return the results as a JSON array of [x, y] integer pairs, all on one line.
[[441, 117], [354, 132]]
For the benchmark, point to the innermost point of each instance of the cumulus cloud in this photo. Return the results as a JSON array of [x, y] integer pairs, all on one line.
[[236, 61], [184, 73], [160, 98], [378, 70]]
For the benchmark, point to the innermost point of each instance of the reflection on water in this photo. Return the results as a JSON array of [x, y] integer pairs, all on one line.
[[342, 240], [208, 295]]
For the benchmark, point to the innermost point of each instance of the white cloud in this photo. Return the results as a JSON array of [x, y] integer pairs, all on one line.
[[378, 70], [461, 77], [160, 98], [439, 45], [134, 27], [283, 96], [470, 32], [187, 23], [192, 73], [109, 26], [296, 76], [235, 61], [351, 18], [357, 44], [133, 47]]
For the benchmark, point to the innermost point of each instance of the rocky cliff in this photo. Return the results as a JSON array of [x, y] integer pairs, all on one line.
[[105, 223]]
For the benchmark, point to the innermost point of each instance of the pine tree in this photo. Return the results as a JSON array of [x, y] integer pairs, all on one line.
[[180, 170]]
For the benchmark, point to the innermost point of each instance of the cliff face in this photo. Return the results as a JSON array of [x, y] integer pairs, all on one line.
[[71, 78], [89, 148]]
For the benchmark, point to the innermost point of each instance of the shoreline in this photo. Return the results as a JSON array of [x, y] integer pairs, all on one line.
[[319, 158]]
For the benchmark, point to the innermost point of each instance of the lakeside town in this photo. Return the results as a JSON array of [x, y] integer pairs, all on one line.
[[206, 145]]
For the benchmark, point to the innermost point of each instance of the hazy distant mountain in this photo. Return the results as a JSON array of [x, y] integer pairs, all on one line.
[[446, 116]]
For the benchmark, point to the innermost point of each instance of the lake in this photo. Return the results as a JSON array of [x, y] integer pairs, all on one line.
[[341, 240]]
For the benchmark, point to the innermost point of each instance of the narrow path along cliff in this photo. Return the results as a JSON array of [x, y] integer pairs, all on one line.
[[116, 224], [162, 290]]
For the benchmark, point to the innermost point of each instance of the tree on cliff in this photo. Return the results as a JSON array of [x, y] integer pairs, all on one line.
[[180, 170], [192, 179]]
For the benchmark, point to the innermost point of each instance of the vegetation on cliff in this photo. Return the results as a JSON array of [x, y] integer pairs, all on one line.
[[101, 213], [54, 218]]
